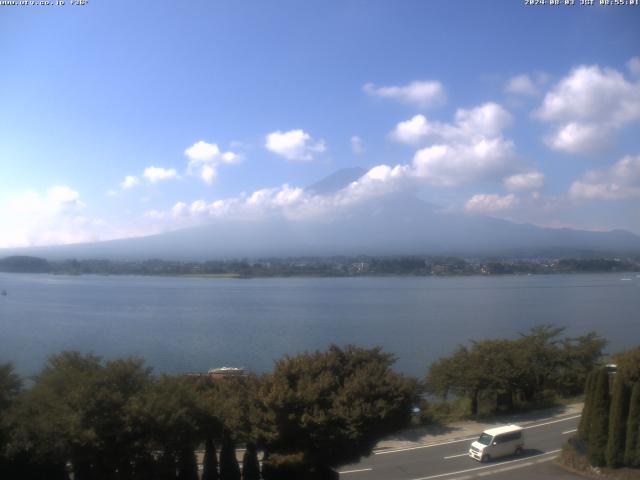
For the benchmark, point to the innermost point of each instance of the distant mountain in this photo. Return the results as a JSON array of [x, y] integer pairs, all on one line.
[[336, 181], [395, 224]]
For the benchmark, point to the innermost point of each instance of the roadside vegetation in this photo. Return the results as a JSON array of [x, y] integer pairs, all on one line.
[[609, 431], [538, 369], [115, 420]]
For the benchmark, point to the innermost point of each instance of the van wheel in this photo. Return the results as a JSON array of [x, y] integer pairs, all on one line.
[[519, 451], [485, 458]]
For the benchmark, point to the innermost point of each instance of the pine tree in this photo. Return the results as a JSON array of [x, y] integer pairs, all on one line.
[[187, 465], [599, 421], [166, 469], [268, 471], [632, 444], [617, 423], [210, 462], [229, 468], [250, 464], [585, 419]]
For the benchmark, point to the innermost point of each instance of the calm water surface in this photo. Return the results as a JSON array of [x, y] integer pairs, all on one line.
[[192, 324]]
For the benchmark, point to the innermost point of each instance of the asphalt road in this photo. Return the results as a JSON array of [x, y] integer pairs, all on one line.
[[449, 460], [542, 470]]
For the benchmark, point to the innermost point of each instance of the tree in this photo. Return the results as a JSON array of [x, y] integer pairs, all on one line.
[[250, 464], [10, 386], [599, 421], [498, 367], [78, 411], [187, 464], [236, 405], [489, 367], [617, 423], [229, 468], [326, 409], [541, 356], [210, 462], [524, 368], [578, 357], [168, 413], [628, 365], [51, 425], [448, 374], [456, 374], [106, 411], [632, 441], [585, 418]]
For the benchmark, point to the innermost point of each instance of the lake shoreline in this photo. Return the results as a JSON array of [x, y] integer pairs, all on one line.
[[227, 276]]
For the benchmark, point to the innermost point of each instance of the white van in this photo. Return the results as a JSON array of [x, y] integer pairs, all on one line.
[[498, 442]]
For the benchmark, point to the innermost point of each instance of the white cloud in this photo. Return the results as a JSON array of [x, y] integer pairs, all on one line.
[[489, 203], [524, 181], [296, 145], [180, 209], [204, 159], [588, 107], [356, 145], [521, 85], [418, 93], [454, 164], [488, 119], [526, 85], [620, 181], [62, 198], [129, 181], [579, 138], [634, 66], [158, 174], [411, 131], [474, 124], [202, 151], [285, 201], [30, 218], [443, 165], [471, 147]]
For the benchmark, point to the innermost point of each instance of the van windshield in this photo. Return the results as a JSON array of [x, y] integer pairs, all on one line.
[[485, 439]]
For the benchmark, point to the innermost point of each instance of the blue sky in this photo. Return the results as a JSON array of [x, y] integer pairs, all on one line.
[[528, 113]]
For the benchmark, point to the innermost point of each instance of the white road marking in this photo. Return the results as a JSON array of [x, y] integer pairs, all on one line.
[[418, 447], [385, 452], [355, 471], [456, 456], [570, 431], [554, 421], [486, 466]]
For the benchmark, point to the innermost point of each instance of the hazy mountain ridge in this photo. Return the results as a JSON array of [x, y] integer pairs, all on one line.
[[395, 224]]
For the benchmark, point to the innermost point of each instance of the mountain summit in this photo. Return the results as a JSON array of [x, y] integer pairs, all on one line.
[[386, 224], [336, 181]]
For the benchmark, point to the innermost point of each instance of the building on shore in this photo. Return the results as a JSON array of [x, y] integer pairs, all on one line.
[[220, 373]]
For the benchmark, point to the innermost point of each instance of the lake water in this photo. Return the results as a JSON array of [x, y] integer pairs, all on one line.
[[192, 324]]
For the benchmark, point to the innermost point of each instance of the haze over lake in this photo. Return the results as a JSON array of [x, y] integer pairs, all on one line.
[[192, 324]]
